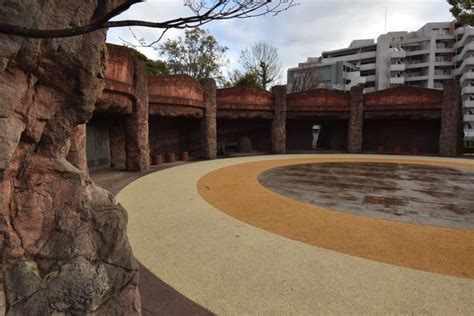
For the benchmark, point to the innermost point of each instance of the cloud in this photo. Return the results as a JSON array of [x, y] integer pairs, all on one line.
[[304, 31]]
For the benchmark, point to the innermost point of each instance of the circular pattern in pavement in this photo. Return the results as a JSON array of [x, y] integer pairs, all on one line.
[[236, 191], [233, 268], [418, 194]]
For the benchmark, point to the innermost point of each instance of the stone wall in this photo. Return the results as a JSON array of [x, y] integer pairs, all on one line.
[[450, 140], [63, 242], [173, 135], [279, 119], [319, 100], [243, 135], [421, 136], [244, 103], [341, 114], [401, 98], [209, 121], [356, 120]]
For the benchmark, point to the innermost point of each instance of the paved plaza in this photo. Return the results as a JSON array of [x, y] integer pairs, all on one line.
[[221, 234]]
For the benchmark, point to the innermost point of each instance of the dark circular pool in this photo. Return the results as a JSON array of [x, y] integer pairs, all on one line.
[[405, 192]]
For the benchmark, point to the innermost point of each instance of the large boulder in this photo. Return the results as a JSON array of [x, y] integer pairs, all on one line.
[[63, 242]]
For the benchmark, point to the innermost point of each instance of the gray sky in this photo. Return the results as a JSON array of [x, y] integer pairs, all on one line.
[[304, 31]]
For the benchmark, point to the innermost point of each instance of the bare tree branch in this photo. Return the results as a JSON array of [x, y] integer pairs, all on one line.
[[204, 11], [262, 59], [304, 80]]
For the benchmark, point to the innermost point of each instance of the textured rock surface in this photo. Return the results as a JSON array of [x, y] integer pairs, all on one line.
[[118, 143], [356, 120], [209, 121], [77, 148], [450, 139], [279, 120], [63, 240], [138, 150]]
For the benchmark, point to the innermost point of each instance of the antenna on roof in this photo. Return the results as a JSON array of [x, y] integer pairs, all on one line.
[[385, 30]]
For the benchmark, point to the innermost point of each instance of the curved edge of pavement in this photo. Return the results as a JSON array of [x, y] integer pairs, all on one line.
[[230, 267]]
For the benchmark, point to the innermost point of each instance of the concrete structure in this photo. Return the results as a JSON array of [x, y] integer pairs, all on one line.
[[339, 75], [425, 58], [170, 116]]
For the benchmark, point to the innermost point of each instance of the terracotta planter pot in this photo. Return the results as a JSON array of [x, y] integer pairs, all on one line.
[[380, 150], [397, 150], [183, 156], [156, 160], [414, 151], [170, 158]]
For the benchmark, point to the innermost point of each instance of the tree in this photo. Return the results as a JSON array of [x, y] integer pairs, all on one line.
[[239, 79], [153, 67], [304, 80], [262, 59], [203, 11], [463, 11], [198, 55]]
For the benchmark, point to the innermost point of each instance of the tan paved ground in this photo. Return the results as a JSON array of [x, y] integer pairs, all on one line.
[[236, 191], [231, 267]]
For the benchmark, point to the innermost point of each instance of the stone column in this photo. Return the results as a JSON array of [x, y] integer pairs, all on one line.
[[356, 120], [279, 119], [209, 121], [77, 149], [450, 138], [138, 147]]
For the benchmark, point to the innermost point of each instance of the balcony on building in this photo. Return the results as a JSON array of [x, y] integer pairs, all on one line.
[[468, 75], [468, 133], [469, 48], [467, 90], [467, 62], [463, 36], [397, 67], [397, 80], [468, 104], [418, 52], [468, 118], [398, 54]]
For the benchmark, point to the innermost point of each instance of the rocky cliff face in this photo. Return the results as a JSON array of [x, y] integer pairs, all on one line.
[[63, 243]]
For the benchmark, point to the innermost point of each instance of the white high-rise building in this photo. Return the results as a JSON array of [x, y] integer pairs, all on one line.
[[425, 58]]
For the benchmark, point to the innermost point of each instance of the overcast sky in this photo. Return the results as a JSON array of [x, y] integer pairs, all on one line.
[[304, 31]]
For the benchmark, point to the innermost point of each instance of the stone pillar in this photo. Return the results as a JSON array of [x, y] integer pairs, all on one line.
[[279, 119], [138, 147], [356, 120], [77, 149], [209, 120], [450, 138]]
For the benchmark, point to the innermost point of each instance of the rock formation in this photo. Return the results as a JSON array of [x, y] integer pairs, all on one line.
[[63, 240], [279, 120], [356, 120]]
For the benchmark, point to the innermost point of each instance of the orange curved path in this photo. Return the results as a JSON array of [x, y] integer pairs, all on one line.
[[236, 191]]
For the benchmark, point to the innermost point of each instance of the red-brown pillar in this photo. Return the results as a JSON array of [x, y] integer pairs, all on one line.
[[209, 120], [356, 120], [138, 147], [450, 138], [77, 149], [279, 119]]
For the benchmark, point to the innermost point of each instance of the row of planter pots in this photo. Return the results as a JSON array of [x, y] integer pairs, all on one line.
[[397, 150], [171, 157]]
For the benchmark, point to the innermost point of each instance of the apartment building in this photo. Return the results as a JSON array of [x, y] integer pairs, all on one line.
[[339, 76], [424, 58]]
